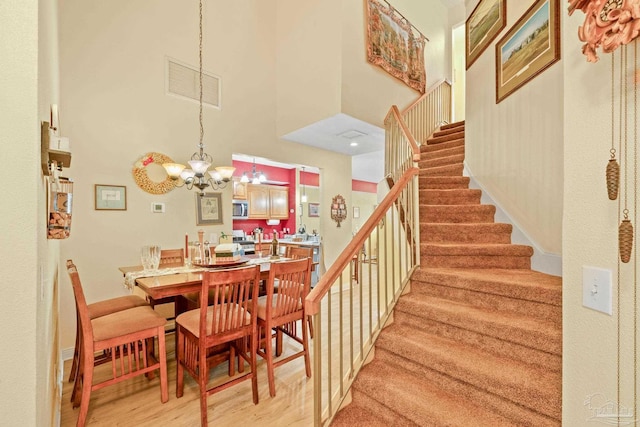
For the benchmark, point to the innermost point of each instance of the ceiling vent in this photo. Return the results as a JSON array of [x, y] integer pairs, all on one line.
[[183, 81], [352, 134]]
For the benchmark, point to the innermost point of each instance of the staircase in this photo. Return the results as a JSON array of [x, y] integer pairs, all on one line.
[[478, 339]]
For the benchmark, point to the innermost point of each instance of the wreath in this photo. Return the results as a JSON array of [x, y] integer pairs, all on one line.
[[142, 179]]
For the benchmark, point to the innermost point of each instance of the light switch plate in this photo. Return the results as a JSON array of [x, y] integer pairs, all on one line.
[[596, 289]]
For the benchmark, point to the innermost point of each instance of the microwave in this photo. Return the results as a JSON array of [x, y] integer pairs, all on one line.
[[240, 209]]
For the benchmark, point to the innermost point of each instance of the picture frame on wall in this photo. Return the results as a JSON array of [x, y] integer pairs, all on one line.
[[531, 46], [110, 197], [209, 209], [314, 210], [484, 24]]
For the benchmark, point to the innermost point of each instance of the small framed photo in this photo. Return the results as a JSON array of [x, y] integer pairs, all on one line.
[[209, 209], [356, 212], [314, 209], [110, 197]]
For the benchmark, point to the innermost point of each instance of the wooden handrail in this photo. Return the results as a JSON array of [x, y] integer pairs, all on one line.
[[433, 87], [312, 301]]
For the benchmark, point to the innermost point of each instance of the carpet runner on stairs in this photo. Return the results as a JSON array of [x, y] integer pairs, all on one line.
[[478, 339]]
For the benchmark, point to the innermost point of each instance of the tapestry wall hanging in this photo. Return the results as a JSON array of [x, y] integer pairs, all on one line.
[[395, 45]]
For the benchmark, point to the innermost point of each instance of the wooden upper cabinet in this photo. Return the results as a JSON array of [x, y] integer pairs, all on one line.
[[239, 189], [258, 201], [268, 201], [278, 202]]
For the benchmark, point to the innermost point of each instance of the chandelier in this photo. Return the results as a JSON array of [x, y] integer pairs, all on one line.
[[256, 177], [199, 176]]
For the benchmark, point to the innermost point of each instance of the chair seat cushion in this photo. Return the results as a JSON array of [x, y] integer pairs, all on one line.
[[126, 322], [190, 320], [262, 305], [113, 305]]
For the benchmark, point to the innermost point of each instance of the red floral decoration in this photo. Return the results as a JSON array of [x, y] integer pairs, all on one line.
[[608, 24]]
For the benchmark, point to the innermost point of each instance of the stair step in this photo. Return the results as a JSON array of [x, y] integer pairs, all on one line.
[[524, 284], [448, 131], [444, 146], [521, 415], [535, 388], [447, 170], [507, 256], [508, 326], [443, 182], [456, 214], [367, 412], [452, 125], [450, 197], [447, 152], [431, 408], [461, 334], [441, 161], [446, 138], [465, 233]]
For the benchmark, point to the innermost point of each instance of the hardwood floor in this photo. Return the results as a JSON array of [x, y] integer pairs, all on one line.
[[137, 402]]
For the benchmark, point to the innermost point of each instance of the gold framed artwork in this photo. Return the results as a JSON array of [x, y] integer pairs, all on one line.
[[531, 46], [314, 210], [209, 209], [110, 197], [483, 25]]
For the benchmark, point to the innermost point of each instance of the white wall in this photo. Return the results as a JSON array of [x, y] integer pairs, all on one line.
[[22, 310], [514, 149], [590, 345]]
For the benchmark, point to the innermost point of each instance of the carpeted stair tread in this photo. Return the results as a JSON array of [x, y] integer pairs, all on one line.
[[387, 384], [448, 131], [497, 249], [512, 327], [523, 284], [465, 233], [436, 149], [443, 182], [523, 353], [447, 170], [462, 196], [441, 161], [447, 214], [356, 415], [461, 123], [519, 414], [512, 380], [446, 138]]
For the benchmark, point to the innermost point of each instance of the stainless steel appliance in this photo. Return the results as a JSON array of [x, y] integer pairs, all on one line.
[[240, 209]]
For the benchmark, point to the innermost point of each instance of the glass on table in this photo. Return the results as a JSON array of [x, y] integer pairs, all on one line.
[[145, 257], [154, 256]]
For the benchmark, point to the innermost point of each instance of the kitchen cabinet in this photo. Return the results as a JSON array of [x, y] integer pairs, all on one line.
[[268, 201], [239, 190]]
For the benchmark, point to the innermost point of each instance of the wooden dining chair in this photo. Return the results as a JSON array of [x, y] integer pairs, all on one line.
[[95, 310], [127, 335], [168, 258], [280, 312], [300, 252], [228, 318]]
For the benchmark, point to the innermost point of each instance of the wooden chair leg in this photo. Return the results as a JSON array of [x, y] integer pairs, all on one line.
[[87, 381], [310, 323], [162, 354], [76, 350], [179, 362], [252, 361], [305, 346], [203, 375], [268, 348]]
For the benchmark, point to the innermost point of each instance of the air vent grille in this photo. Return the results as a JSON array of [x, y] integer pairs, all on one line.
[[183, 80]]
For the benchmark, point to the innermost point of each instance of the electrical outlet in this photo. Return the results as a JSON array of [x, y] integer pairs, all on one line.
[[596, 289]]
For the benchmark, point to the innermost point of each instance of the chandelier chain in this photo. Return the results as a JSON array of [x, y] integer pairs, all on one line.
[[200, 76]]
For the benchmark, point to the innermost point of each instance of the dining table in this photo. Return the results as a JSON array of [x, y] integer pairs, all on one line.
[[175, 281]]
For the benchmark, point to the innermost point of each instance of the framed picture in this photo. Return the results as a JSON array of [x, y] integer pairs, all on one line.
[[314, 209], [209, 209], [110, 197], [356, 212], [483, 26], [529, 47]]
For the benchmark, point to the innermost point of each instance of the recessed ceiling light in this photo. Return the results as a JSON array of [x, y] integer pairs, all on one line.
[[354, 144]]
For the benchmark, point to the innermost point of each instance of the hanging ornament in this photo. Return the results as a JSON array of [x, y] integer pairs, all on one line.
[[613, 177], [625, 240]]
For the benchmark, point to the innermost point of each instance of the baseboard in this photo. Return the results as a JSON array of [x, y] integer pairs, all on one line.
[[67, 353], [542, 261]]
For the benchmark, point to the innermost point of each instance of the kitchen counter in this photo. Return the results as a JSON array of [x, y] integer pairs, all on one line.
[[309, 243]]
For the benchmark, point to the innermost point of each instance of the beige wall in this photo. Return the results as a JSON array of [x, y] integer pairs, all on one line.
[[28, 261], [364, 201], [514, 149], [590, 235]]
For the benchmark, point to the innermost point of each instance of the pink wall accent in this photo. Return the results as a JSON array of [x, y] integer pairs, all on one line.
[[364, 186]]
